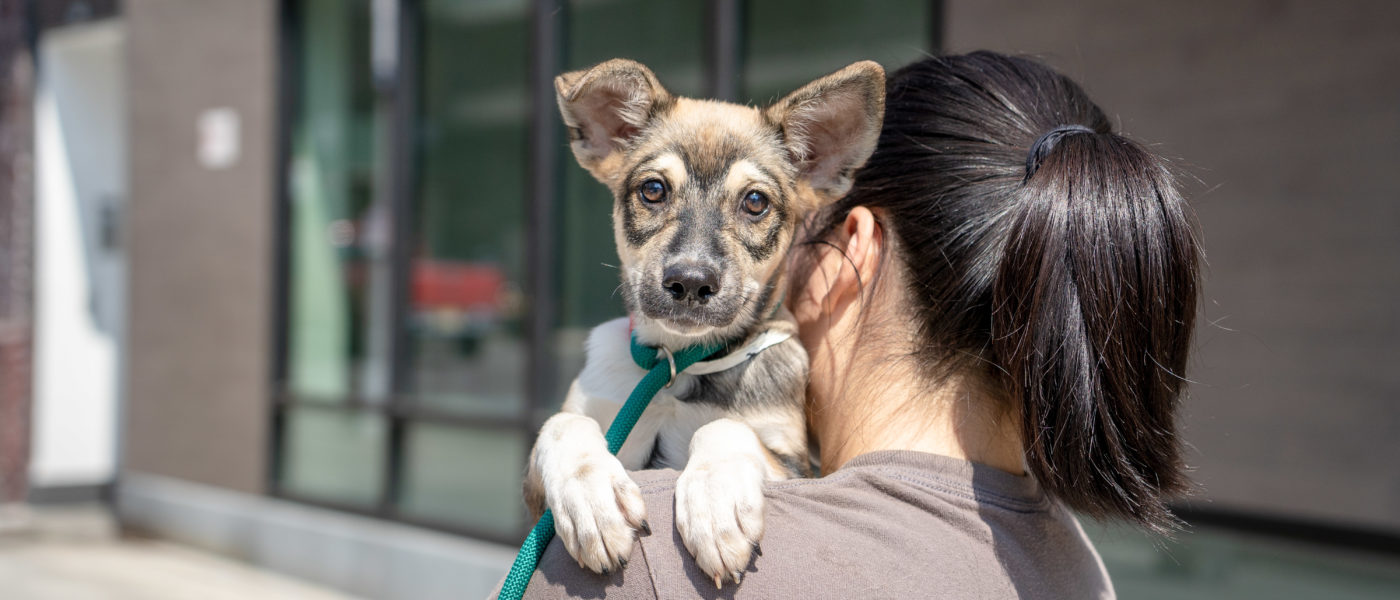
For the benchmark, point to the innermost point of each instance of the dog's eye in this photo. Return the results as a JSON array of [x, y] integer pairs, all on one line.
[[652, 190], [755, 203]]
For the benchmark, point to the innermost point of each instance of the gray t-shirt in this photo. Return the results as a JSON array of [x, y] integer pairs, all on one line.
[[890, 524]]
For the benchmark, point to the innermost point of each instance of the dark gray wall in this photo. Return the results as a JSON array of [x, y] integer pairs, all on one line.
[[1288, 113], [199, 242], [16, 250]]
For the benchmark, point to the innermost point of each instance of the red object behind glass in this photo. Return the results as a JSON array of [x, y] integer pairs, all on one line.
[[469, 287]]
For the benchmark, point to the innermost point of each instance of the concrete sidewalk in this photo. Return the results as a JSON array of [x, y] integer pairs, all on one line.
[[76, 554]]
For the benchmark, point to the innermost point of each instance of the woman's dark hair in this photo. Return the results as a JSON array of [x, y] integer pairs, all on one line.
[[1062, 265]]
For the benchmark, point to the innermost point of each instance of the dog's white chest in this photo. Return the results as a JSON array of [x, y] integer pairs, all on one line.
[[608, 378]]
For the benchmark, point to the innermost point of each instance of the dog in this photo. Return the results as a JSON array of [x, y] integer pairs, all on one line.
[[708, 198]]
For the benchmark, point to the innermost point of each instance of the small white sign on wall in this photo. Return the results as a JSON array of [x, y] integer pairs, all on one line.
[[218, 138]]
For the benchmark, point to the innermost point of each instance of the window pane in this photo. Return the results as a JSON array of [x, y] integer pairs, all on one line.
[[791, 42], [331, 214], [467, 476], [668, 38], [332, 454], [468, 256]]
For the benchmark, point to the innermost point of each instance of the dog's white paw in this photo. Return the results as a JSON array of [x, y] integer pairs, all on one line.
[[597, 508], [719, 499]]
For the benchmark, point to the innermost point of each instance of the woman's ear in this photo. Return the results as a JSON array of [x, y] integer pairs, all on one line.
[[835, 272], [861, 240], [828, 281]]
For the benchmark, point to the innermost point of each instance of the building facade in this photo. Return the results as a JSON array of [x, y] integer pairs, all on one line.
[[350, 263]]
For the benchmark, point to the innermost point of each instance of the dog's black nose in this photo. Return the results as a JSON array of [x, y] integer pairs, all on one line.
[[690, 282]]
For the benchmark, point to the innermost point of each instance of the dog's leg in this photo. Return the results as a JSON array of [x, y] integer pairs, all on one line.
[[719, 497], [597, 508]]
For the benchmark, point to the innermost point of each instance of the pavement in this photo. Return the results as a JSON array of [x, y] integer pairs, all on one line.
[[78, 553]]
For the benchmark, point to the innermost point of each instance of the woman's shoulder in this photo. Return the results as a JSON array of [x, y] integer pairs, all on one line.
[[892, 523]]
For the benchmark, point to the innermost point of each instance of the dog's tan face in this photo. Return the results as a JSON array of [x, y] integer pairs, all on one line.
[[708, 194]]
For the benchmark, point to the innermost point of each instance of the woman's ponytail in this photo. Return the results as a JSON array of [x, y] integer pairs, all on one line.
[[1048, 257], [1093, 307]]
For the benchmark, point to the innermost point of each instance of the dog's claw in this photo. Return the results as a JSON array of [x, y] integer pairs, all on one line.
[[646, 527], [719, 583], [757, 550], [736, 575]]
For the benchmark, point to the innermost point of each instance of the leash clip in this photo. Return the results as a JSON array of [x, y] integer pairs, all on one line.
[[670, 360]]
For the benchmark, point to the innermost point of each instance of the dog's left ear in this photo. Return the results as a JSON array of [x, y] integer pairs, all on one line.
[[831, 125]]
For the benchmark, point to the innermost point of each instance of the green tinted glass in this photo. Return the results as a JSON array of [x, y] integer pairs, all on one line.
[[464, 321], [330, 454], [790, 42], [331, 211], [467, 477]]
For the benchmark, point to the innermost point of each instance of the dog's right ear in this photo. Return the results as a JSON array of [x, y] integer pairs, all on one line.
[[604, 107]]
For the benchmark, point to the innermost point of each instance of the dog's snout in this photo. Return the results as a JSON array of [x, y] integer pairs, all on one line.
[[690, 282]]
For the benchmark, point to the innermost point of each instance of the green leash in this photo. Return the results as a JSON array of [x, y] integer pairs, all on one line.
[[662, 368]]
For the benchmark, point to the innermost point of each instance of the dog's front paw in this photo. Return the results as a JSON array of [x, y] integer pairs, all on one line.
[[719, 500], [597, 508]]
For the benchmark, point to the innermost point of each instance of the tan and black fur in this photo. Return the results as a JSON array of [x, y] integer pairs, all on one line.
[[699, 265]]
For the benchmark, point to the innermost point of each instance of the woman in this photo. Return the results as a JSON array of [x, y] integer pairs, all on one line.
[[998, 318]]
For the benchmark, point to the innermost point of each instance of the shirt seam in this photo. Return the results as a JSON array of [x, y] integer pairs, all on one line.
[[1019, 506], [974, 493], [651, 575]]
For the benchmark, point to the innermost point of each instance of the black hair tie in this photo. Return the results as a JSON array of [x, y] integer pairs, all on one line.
[[1045, 143]]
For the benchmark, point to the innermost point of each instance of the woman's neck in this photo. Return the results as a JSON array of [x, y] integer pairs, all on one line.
[[899, 411]]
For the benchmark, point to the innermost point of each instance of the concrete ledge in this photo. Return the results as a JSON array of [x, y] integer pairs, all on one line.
[[362, 556], [70, 494]]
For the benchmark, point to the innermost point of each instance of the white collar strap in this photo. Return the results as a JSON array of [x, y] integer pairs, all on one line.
[[759, 343]]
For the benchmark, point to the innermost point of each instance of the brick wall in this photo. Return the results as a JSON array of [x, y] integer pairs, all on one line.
[[200, 242], [16, 248]]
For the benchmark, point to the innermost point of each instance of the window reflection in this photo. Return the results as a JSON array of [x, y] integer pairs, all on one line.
[[465, 476], [781, 54], [465, 322], [335, 238], [334, 455], [331, 203]]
